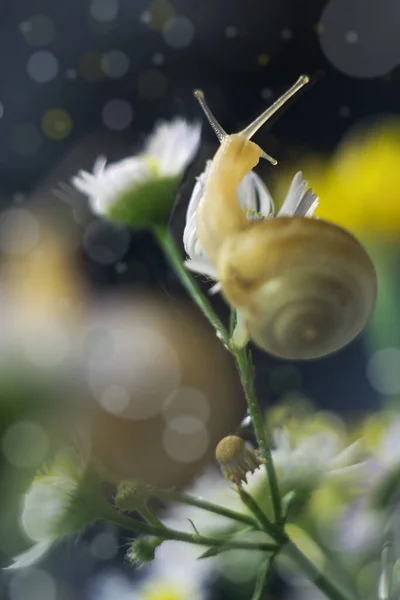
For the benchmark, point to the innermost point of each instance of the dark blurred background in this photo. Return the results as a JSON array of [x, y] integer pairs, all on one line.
[[80, 78]]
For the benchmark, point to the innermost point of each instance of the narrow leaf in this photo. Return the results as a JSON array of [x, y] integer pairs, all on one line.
[[262, 578]]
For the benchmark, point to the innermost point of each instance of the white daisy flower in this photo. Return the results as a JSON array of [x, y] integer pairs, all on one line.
[[256, 202], [167, 152], [362, 524], [313, 458], [174, 574], [55, 506]]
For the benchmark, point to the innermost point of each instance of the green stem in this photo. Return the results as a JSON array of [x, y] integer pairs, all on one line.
[[244, 363], [274, 530], [174, 257], [183, 498], [190, 538], [387, 562], [322, 582]]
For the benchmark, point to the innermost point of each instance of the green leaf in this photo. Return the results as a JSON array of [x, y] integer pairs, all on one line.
[[214, 551], [262, 578], [210, 552]]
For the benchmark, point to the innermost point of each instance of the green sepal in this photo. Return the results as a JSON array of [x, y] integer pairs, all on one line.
[[142, 550], [146, 203]]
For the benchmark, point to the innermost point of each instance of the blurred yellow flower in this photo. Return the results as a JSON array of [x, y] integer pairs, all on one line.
[[359, 187]]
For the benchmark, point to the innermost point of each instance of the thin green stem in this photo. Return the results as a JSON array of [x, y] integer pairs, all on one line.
[[176, 496], [321, 581], [174, 257], [243, 361], [191, 538], [245, 367], [148, 516], [274, 530]]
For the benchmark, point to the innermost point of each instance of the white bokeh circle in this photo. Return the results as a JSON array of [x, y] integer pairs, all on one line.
[[185, 439], [117, 114], [383, 371], [42, 66], [25, 444]]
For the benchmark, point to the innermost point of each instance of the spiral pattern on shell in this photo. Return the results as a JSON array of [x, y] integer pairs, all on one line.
[[305, 286]]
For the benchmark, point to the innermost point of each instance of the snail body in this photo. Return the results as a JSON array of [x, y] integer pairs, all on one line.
[[303, 287]]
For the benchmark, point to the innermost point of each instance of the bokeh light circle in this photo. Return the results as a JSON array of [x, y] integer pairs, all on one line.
[[25, 444], [42, 66], [104, 11], [117, 114], [104, 546], [185, 439], [158, 59], [114, 399], [89, 67], [383, 371], [115, 64], [178, 32], [105, 243], [38, 30], [132, 371], [361, 40], [186, 401], [48, 345], [57, 124], [231, 31], [33, 583]]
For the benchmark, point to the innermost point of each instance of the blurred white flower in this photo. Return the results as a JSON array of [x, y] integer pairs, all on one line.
[[256, 202], [303, 464], [174, 574], [54, 506], [362, 524], [167, 152]]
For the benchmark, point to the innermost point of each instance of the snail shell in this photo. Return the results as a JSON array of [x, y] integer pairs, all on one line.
[[305, 287]]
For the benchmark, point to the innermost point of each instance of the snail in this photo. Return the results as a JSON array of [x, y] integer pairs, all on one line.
[[303, 287]]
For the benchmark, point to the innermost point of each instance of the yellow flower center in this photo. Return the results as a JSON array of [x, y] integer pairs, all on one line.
[[162, 590], [152, 163]]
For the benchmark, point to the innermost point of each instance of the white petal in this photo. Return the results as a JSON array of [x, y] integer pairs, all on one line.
[[173, 144], [254, 196], [45, 505], [307, 204], [105, 184], [202, 266], [31, 556], [293, 197], [246, 193]]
